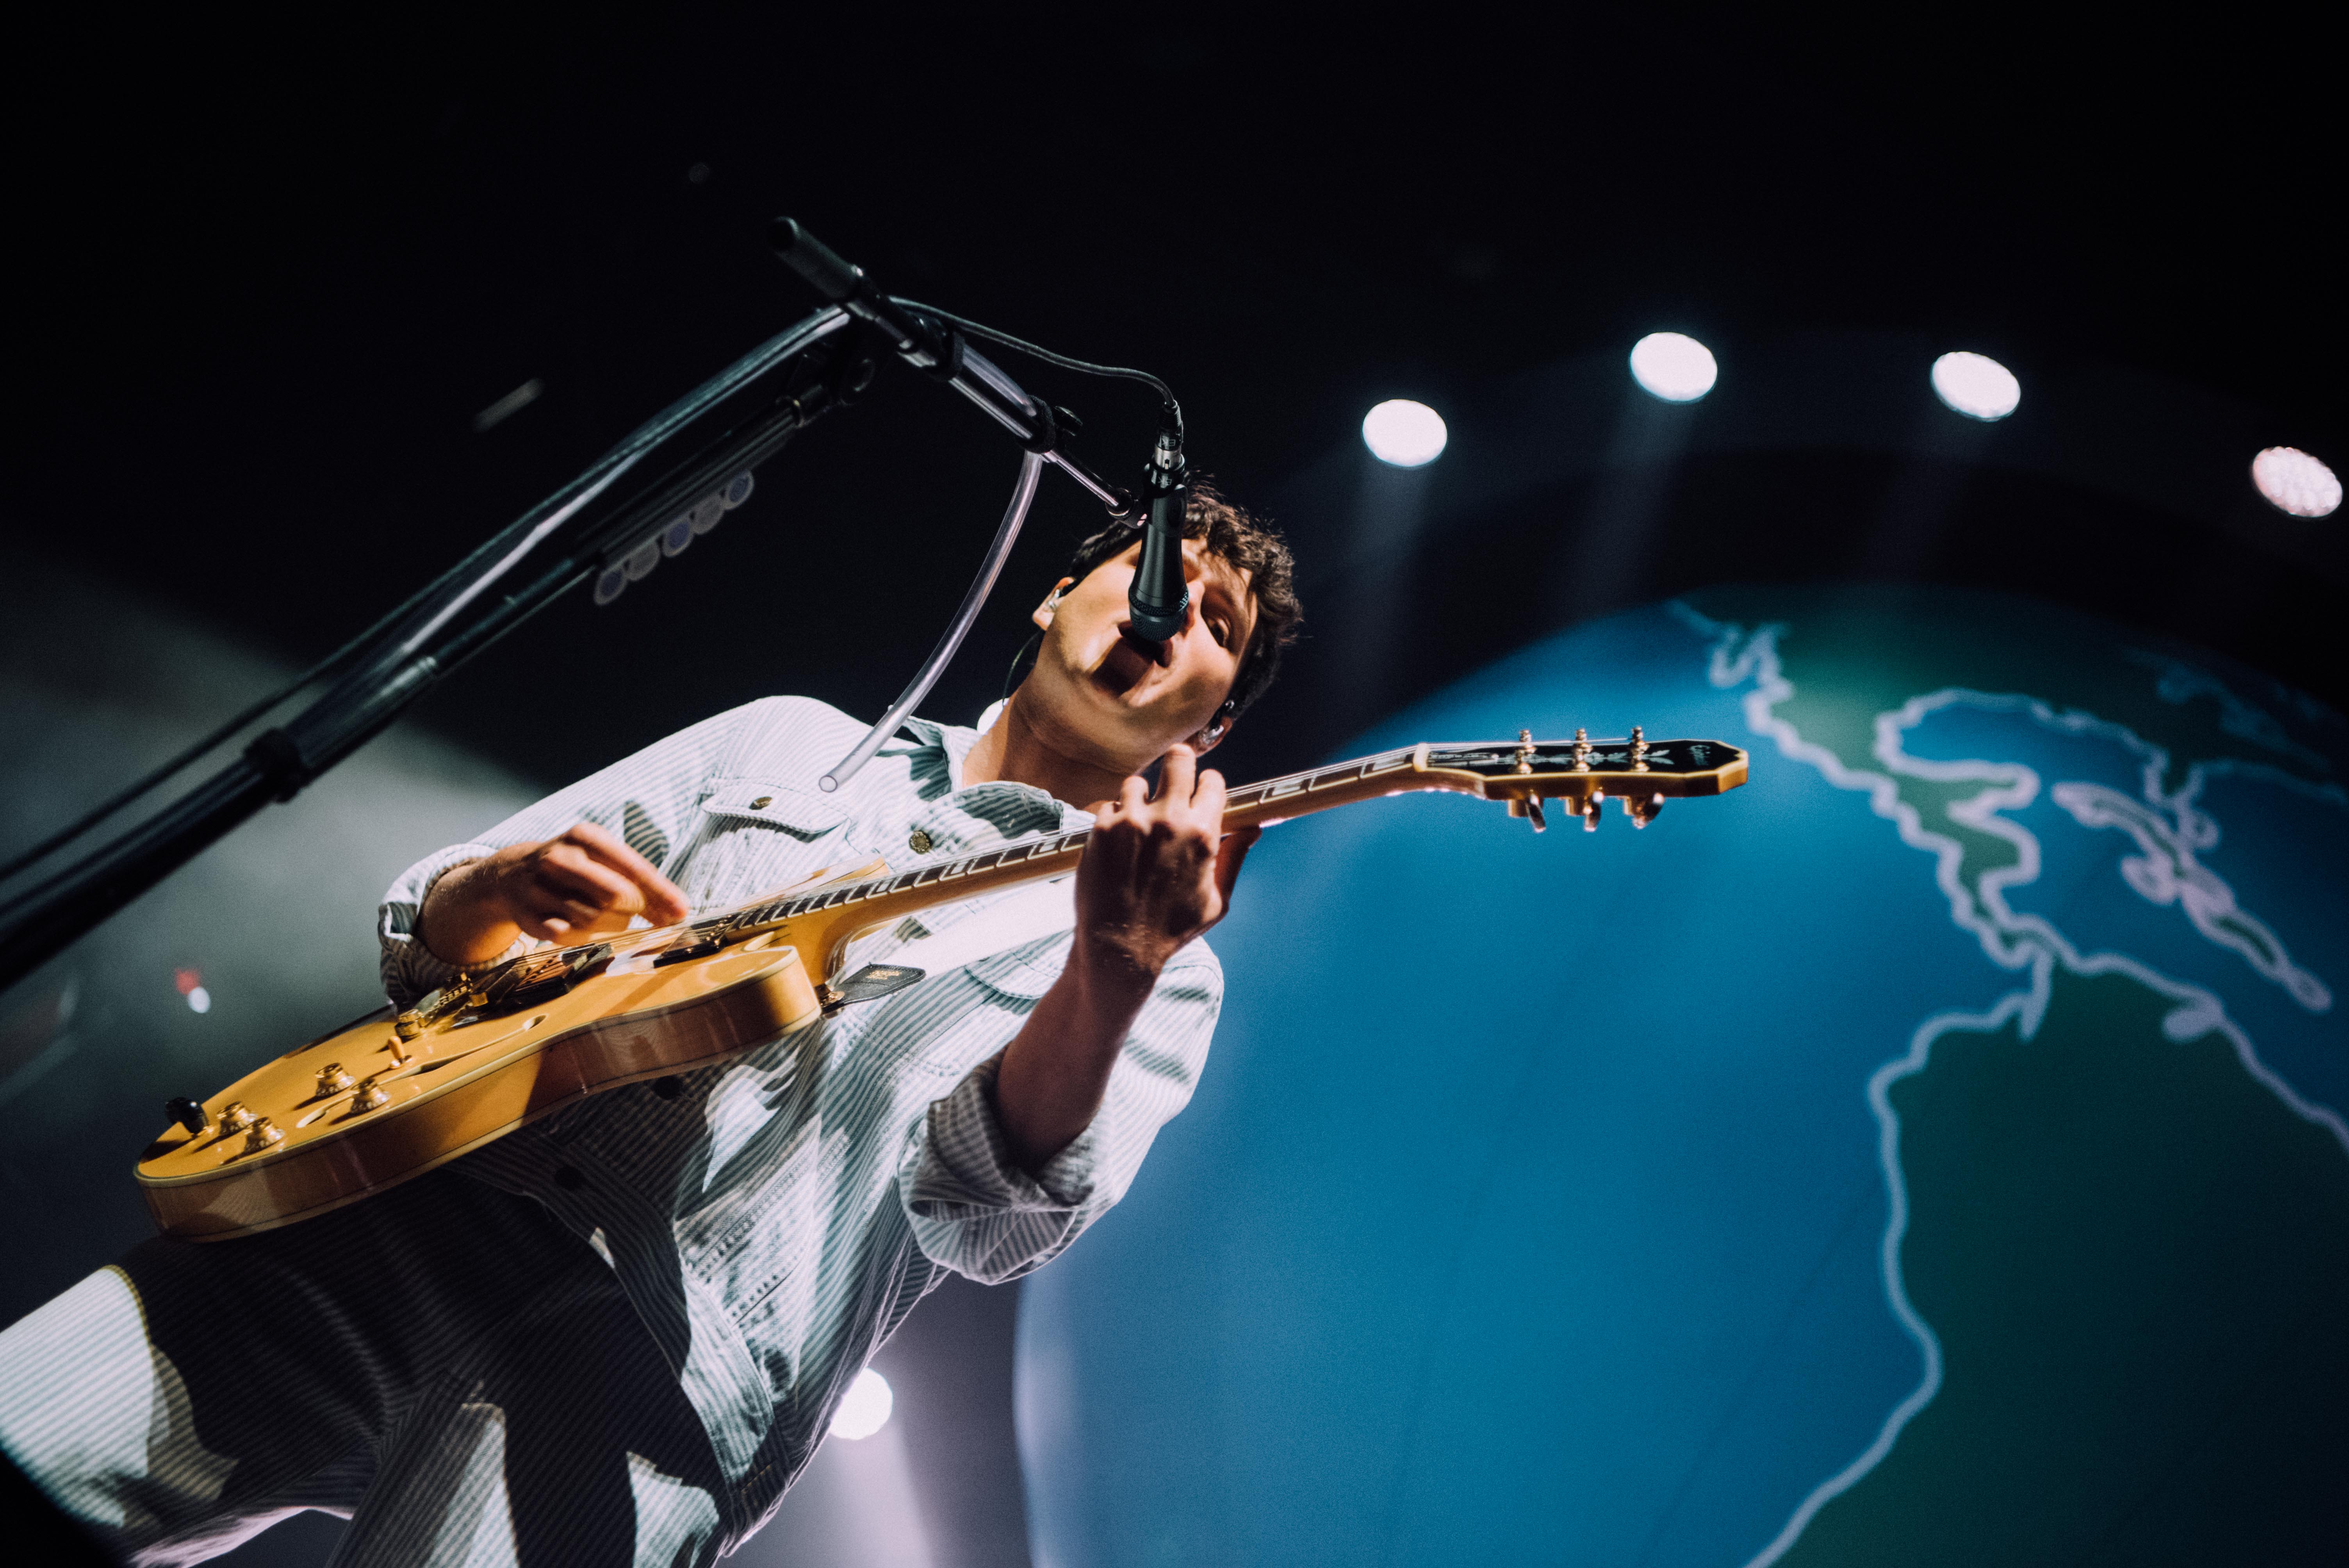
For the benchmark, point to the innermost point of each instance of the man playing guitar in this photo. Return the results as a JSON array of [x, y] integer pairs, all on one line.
[[618, 1334]]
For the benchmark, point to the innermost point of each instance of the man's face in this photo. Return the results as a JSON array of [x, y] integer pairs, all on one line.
[[1112, 700]]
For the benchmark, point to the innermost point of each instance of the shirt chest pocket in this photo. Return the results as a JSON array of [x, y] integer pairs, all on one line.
[[757, 837]]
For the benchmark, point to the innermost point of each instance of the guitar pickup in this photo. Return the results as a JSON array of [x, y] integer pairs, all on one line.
[[700, 944]]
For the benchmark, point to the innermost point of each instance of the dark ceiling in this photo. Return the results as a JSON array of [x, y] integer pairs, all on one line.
[[268, 276]]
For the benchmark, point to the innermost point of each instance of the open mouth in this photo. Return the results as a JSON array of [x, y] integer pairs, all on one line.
[[1127, 661]]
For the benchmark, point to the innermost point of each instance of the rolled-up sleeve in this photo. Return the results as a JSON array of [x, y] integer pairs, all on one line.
[[647, 800], [976, 1212]]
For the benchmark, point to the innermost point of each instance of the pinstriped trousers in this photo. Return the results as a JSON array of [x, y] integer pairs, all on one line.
[[444, 1364]]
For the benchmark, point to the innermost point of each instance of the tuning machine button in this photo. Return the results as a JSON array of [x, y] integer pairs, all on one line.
[[1530, 808], [1642, 810], [1593, 806]]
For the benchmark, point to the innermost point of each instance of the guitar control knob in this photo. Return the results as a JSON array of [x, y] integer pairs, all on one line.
[[261, 1135], [369, 1096], [408, 1025], [234, 1118], [332, 1079]]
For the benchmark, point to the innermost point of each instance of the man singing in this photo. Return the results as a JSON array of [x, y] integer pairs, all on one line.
[[617, 1336]]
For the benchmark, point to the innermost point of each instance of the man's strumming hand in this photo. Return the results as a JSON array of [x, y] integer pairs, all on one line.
[[1157, 871], [581, 884]]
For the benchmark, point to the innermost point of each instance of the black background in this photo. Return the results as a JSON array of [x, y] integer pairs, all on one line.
[[267, 274]]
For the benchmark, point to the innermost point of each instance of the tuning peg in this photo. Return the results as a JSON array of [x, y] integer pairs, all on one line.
[[1530, 807], [1593, 806], [1642, 811]]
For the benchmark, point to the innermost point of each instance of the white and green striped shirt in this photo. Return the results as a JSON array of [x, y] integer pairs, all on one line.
[[774, 1219]]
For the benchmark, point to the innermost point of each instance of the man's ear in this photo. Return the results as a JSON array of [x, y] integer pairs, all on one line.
[[1043, 616], [1218, 731]]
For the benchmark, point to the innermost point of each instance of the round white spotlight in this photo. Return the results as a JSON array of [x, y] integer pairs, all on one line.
[[1406, 434], [866, 1409], [2295, 482], [1976, 386], [198, 999], [1673, 367]]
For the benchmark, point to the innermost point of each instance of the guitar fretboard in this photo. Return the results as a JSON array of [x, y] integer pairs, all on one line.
[[1241, 805]]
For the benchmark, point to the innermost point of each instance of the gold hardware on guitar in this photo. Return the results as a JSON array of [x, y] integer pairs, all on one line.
[[332, 1081]]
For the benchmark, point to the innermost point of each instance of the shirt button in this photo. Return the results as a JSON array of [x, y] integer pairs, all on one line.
[[920, 842], [762, 802]]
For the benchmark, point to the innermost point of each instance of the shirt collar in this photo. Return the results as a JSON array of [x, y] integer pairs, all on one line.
[[955, 742]]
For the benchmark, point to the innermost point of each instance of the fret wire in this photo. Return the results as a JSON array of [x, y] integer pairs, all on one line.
[[1257, 794]]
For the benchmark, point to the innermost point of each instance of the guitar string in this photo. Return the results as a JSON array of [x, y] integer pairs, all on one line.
[[735, 923]]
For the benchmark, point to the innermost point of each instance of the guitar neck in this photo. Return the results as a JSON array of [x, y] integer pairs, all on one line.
[[877, 901]]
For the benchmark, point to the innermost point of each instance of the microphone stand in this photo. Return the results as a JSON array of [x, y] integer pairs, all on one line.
[[587, 531]]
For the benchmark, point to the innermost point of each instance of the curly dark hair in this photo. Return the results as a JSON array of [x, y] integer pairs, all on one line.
[[1245, 543]]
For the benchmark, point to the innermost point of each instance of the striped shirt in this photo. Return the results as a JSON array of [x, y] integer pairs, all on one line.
[[774, 1219]]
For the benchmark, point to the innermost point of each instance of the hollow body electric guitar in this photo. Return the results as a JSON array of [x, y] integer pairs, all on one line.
[[396, 1094]]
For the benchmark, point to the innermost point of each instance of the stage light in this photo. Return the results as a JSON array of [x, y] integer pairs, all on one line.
[[1976, 386], [866, 1409], [1673, 367], [1406, 434], [199, 1000], [2295, 482]]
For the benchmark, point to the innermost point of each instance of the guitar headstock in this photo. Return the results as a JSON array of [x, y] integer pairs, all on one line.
[[1585, 773]]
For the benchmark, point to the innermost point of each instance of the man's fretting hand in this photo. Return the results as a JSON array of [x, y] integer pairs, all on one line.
[[1157, 871], [582, 884]]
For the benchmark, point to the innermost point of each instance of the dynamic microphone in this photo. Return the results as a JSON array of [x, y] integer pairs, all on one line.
[[1160, 599]]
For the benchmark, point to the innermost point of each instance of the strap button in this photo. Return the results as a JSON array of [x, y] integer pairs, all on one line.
[[762, 802], [920, 842]]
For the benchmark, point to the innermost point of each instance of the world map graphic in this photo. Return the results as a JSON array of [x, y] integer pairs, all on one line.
[[1930, 1152]]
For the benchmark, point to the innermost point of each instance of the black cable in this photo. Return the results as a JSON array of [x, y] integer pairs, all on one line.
[[185, 759], [1166, 393], [1011, 676]]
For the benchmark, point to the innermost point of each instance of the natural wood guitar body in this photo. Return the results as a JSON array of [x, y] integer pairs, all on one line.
[[459, 1087], [393, 1096]]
